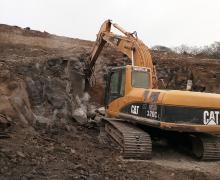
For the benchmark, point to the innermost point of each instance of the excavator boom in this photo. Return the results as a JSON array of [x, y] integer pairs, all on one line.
[[128, 44]]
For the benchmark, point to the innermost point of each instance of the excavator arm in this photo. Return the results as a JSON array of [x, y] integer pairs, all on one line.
[[128, 43]]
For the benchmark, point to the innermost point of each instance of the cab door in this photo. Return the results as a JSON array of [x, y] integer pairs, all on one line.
[[115, 85]]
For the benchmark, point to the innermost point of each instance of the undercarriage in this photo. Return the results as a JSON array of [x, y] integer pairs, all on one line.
[[136, 141]]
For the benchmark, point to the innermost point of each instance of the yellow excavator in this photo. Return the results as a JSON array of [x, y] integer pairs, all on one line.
[[137, 111]]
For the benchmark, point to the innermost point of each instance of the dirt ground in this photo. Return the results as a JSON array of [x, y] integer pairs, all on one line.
[[77, 154], [40, 90]]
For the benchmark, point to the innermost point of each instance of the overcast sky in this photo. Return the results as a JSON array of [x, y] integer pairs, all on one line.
[[164, 22]]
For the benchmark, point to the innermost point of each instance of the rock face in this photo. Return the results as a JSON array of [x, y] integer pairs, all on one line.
[[38, 84], [56, 88], [175, 70], [14, 100]]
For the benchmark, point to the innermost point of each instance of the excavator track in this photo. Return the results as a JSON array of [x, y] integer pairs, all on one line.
[[206, 147], [135, 143]]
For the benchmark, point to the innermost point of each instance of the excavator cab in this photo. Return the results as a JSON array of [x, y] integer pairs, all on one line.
[[120, 80]]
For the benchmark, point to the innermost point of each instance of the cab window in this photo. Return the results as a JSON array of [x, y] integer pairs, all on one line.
[[140, 79]]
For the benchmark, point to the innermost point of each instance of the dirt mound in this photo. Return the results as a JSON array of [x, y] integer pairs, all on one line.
[[46, 114]]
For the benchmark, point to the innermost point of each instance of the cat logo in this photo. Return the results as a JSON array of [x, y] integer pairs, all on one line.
[[134, 109], [210, 117]]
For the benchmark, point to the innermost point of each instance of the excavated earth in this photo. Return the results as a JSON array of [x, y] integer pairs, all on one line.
[[48, 128]]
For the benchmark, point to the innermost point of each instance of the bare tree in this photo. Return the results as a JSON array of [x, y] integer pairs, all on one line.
[[209, 51]]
